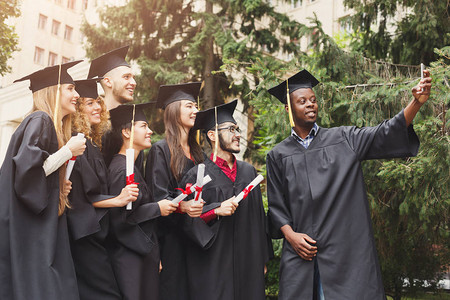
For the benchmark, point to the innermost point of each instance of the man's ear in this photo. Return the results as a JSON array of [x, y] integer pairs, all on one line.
[[126, 133], [286, 108], [107, 82], [211, 135]]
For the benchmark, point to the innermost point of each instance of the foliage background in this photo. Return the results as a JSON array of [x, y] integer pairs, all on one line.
[[367, 77]]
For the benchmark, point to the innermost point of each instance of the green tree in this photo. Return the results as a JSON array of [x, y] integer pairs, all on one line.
[[8, 38], [424, 27], [409, 198], [176, 41]]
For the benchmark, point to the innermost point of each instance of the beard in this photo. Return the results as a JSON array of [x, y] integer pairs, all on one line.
[[119, 94], [227, 146]]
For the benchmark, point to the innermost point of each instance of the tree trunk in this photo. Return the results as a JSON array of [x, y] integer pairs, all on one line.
[[209, 89]]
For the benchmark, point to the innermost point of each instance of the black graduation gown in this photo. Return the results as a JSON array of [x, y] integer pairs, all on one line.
[[159, 178], [89, 227], [134, 245], [230, 265], [320, 191], [35, 258]]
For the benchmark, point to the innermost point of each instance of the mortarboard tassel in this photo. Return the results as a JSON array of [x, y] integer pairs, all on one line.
[[58, 101], [198, 107], [132, 129], [288, 99], [216, 136]]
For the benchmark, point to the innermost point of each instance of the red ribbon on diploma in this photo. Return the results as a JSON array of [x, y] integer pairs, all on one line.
[[130, 179], [198, 189], [246, 191], [187, 191]]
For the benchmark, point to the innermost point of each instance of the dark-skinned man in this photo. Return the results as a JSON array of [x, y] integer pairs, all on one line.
[[317, 198], [229, 262]]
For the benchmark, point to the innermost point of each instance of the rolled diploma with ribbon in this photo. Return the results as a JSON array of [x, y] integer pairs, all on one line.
[[189, 190], [200, 174], [71, 161], [242, 195], [130, 170]]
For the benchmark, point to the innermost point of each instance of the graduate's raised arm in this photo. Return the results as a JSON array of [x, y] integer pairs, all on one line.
[[421, 93]]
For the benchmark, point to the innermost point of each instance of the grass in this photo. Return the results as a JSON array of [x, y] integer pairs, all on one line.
[[427, 296]]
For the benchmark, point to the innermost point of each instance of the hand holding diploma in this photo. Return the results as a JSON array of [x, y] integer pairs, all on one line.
[[76, 146], [189, 190]]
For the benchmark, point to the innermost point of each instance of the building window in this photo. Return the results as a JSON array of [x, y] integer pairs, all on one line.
[[52, 59], [85, 4], [55, 27], [42, 23], [38, 56], [68, 33], [71, 4], [296, 3], [345, 24], [65, 60]]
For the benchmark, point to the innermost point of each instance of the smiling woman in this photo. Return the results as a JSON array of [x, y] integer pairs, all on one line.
[[33, 224]]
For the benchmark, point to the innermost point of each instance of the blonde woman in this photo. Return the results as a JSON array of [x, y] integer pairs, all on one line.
[[89, 217], [35, 258]]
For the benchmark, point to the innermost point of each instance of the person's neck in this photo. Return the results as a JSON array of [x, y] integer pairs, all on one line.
[[111, 101], [304, 130], [184, 137], [226, 156]]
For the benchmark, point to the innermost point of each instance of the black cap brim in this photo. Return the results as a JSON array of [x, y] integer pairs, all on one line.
[[302, 79], [123, 114], [49, 76], [87, 88], [108, 61], [206, 119], [176, 92]]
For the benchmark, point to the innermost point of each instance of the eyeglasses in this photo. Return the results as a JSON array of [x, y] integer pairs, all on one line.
[[231, 129]]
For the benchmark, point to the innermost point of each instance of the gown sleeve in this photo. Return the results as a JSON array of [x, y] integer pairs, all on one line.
[[29, 178], [157, 177], [390, 139], [279, 212], [84, 175]]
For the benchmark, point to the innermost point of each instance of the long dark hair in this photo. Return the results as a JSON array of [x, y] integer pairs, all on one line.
[[112, 142], [172, 122]]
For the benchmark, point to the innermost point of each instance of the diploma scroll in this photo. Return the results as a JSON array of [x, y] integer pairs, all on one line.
[[71, 161], [242, 195], [189, 190], [129, 170], [200, 174]]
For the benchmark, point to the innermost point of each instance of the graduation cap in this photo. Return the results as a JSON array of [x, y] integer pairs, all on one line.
[[87, 88], [50, 76], [177, 92], [124, 114], [108, 61], [301, 80], [211, 118], [206, 119]]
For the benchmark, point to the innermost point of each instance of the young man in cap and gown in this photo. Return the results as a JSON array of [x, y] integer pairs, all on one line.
[[317, 198], [118, 78], [35, 257], [229, 262]]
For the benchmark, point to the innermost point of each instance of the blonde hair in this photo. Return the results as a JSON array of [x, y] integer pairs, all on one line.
[[80, 122], [45, 100]]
